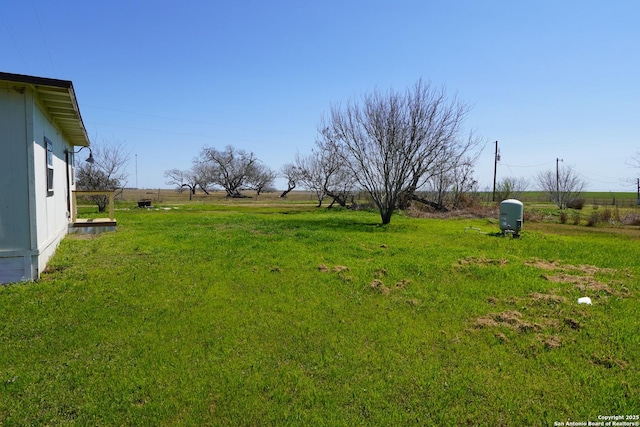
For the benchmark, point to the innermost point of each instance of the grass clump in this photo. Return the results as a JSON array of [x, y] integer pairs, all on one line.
[[239, 315]]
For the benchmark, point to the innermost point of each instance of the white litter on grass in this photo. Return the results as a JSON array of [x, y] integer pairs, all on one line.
[[584, 300]]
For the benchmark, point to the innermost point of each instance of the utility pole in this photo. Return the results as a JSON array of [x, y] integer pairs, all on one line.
[[136, 171], [638, 200], [495, 170]]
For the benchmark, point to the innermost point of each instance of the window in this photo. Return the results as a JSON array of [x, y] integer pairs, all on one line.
[[49, 146]]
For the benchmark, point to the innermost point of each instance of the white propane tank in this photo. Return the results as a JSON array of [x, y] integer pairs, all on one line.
[[511, 211]]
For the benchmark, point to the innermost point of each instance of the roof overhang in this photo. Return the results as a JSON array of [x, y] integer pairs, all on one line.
[[59, 100]]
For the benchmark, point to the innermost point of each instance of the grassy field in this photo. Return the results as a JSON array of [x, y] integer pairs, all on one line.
[[242, 313]]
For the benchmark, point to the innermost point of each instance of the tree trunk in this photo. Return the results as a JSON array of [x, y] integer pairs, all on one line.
[[437, 206], [290, 187], [385, 215]]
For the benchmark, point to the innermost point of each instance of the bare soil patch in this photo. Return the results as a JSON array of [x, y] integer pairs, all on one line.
[[554, 265], [511, 319], [482, 260]]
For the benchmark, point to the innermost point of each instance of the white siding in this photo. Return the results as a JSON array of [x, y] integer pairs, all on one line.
[[32, 222], [14, 189]]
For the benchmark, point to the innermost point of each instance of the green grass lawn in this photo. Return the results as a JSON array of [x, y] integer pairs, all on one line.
[[240, 315]]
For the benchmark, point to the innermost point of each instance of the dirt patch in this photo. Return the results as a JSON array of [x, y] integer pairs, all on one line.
[[608, 362], [486, 322], [596, 287], [380, 273], [569, 278], [572, 323], [379, 286], [337, 269], [501, 337], [586, 284], [511, 319], [50, 269], [554, 265], [481, 260], [547, 298], [542, 264], [402, 284], [552, 342]]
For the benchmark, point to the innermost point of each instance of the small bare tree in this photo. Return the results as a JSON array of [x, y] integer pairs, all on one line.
[[261, 179], [182, 179], [291, 173], [562, 185], [106, 173], [511, 187], [326, 176], [311, 174]]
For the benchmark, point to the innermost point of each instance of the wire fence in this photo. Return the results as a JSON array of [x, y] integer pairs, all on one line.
[[167, 195]]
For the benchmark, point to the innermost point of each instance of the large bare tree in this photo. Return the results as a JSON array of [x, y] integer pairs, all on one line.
[[393, 143], [562, 185], [235, 170]]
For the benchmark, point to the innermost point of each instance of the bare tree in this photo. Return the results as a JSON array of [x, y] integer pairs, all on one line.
[[201, 175], [234, 170], [292, 174], [311, 174], [511, 187], [182, 179], [635, 161], [327, 176], [449, 182], [106, 173], [562, 185], [261, 179], [393, 143]]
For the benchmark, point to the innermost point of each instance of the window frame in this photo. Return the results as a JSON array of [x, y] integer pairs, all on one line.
[[48, 145]]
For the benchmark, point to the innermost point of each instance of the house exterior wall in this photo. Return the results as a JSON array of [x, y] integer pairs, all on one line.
[[33, 220], [14, 208]]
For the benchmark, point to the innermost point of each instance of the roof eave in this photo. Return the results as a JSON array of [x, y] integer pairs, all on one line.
[[59, 99]]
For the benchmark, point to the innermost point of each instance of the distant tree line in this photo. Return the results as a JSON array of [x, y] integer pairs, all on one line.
[[399, 147], [232, 169]]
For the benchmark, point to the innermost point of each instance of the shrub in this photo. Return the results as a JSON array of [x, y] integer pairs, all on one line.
[[563, 217], [575, 217], [605, 215], [576, 203], [631, 219], [594, 218]]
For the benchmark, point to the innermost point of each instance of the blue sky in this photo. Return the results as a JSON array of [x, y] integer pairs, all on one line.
[[547, 79]]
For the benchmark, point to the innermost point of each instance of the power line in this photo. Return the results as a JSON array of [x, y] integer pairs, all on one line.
[[44, 38], [18, 50], [526, 166]]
